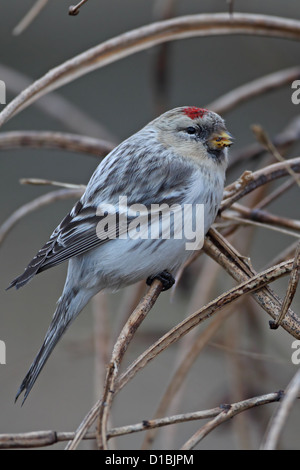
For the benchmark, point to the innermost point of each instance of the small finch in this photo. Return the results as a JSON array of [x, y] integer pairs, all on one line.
[[179, 158]]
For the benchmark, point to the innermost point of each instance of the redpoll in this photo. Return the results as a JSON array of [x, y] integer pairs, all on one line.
[[180, 159]]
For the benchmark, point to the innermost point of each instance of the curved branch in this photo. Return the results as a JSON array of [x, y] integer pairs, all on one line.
[[280, 417], [254, 88], [250, 181], [55, 140], [149, 36]]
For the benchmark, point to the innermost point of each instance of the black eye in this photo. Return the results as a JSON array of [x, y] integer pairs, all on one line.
[[191, 130]]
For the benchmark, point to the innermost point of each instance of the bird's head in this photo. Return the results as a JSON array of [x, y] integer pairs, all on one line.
[[194, 133]]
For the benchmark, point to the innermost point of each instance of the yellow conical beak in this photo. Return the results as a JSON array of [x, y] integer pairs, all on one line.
[[220, 140]]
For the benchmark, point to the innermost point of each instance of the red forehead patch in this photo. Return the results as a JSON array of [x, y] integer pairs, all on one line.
[[193, 112]]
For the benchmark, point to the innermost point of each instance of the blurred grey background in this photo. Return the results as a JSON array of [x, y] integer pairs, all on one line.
[[121, 98]]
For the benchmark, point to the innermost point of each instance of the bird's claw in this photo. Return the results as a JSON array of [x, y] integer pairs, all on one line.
[[164, 277]]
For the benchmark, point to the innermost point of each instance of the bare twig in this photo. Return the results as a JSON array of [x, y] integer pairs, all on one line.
[[46, 438], [228, 412], [275, 194], [74, 9], [102, 407], [254, 88], [34, 11], [55, 140], [281, 415], [163, 10], [251, 285], [264, 139], [149, 36], [282, 141], [182, 370], [291, 291], [119, 350], [265, 217], [42, 182], [242, 221], [230, 6], [284, 255], [245, 185], [228, 257], [189, 347]]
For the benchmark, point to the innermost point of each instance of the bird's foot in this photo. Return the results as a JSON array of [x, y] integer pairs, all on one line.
[[164, 277]]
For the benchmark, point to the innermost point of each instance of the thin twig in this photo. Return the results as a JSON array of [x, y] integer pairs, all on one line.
[[254, 88], [244, 186], [242, 221], [283, 255], [30, 16], [275, 194], [74, 9], [281, 415], [259, 215], [47, 438], [291, 291], [102, 407], [182, 370], [55, 140], [230, 259], [282, 141], [264, 139], [228, 412], [119, 350], [42, 182], [188, 348]]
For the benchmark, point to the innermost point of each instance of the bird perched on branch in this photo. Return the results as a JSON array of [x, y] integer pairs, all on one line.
[[178, 159]]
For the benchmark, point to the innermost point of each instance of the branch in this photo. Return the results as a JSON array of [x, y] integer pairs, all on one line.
[[228, 257], [265, 141], [291, 290], [74, 10], [228, 412], [102, 407], [250, 181], [55, 140], [284, 139], [280, 417], [47, 438], [148, 36], [30, 16], [254, 88]]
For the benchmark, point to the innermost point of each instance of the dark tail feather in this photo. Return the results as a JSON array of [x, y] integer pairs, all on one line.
[[34, 267], [69, 306]]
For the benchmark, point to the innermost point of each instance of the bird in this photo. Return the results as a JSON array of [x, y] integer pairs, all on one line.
[[178, 158]]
